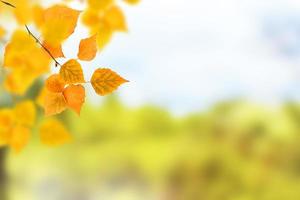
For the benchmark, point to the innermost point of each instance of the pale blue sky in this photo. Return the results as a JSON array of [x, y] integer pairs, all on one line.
[[188, 54]]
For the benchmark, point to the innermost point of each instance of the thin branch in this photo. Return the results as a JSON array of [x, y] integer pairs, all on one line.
[[8, 4], [36, 39], [39, 42]]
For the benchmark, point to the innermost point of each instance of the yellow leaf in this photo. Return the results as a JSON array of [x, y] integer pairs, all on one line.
[[55, 83], [22, 53], [105, 81], [91, 17], [72, 72], [132, 2], [115, 18], [19, 138], [7, 120], [25, 113], [23, 11], [52, 132], [75, 97], [59, 23], [38, 15], [56, 50], [55, 103], [40, 100], [88, 48], [2, 32], [104, 36], [100, 4], [18, 81]]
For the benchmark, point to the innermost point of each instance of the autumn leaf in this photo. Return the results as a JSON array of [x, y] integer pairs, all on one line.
[[7, 121], [2, 32], [40, 99], [19, 138], [105, 81], [38, 15], [18, 56], [59, 23], [25, 113], [52, 132], [104, 36], [75, 97], [55, 83], [100, 4], [115, 18], [23, 11], [54, 103], [88, 48], [72, 72], [18, 81], [132, 2], [56, 50]]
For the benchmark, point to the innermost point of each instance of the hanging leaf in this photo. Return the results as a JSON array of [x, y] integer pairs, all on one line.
[[115, 18], [56, 50], [72, 72], [59, 23], [2, 32], [7, 120], [19, 138], [132, 2], [52, 132], [55, 103], [25, 113], [75, 97], [105, 81], [99, 4], [88, 48], [55, 83]]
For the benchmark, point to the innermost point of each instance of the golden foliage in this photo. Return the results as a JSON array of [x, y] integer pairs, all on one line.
[[18, 57], [88, 48], [105, 81], [55, 83], [52, 132], [54, 103], [59, 23], [75, 97], [15, 124], [27, 59], [72, 72]]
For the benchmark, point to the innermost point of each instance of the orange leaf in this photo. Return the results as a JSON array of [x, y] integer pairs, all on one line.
[[53, 132], [55, 50], [88, 48], [55, 83], [7, 120], [38, 15], [115, 18], [72, 72], [2, 32], [55, 103], [75, 97], [59, 23], [25, 113], [132, 2], [105, 81], [19, 138]]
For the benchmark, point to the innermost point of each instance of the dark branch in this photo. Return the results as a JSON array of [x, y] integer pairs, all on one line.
[[8, 4], [36, 39], [39, 42]]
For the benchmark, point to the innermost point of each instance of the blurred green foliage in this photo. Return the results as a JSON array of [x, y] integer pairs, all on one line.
[[234, 150]]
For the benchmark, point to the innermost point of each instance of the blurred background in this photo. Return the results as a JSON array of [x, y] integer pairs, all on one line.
[[211, 112]]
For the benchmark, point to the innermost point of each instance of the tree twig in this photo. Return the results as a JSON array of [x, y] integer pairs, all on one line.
[[8, 4], [32, 35]]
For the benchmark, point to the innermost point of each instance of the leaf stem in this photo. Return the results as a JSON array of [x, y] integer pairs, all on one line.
[[32, 35]]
